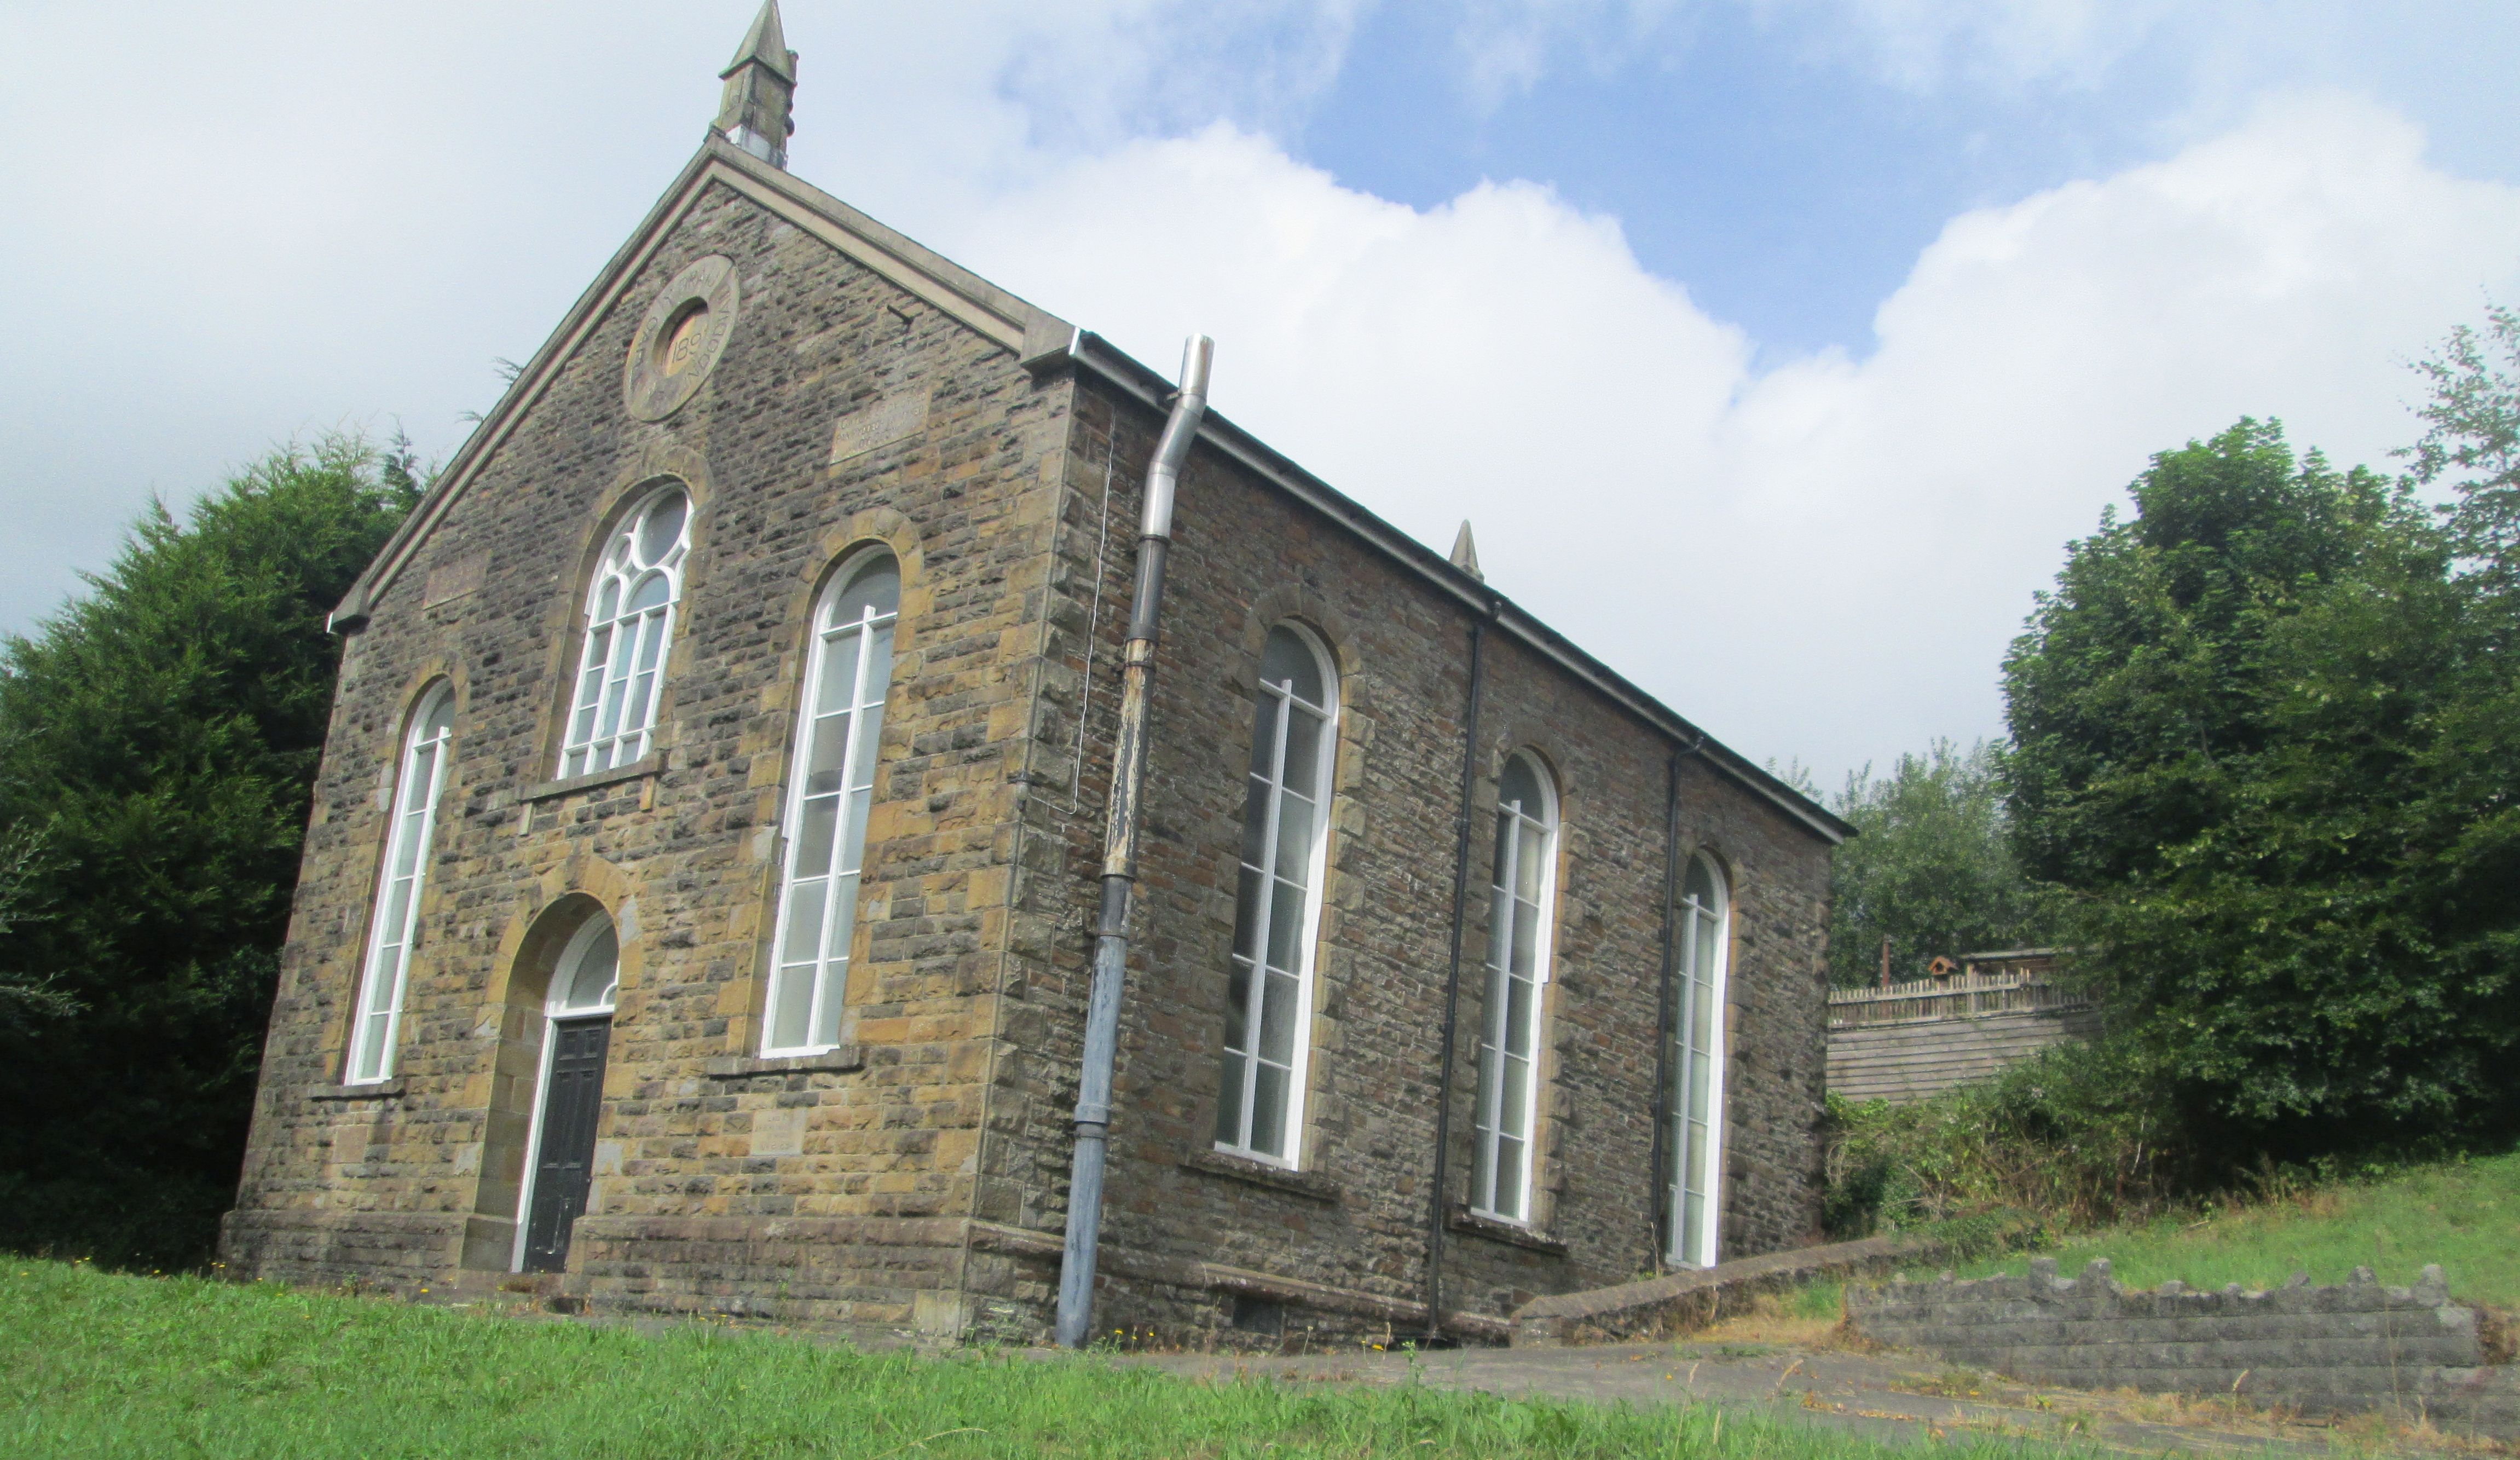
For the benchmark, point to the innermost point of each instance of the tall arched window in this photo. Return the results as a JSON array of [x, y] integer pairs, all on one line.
[[398, 887], [830, 787], [1269, 1002], [629, 625], [1696, 1064], [1520, 935]]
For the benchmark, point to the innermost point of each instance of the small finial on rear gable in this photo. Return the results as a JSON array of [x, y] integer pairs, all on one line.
[[1466, 553], [761, 90]]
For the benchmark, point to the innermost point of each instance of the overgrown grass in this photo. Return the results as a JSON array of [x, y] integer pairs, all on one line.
[[2073, 1153], [2078, 1136], [2462, 1213], [104, 1364]]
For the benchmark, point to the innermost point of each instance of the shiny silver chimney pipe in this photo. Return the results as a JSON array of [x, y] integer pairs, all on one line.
[[1120, 852]]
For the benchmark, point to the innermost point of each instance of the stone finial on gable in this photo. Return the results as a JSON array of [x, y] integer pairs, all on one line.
[[1466, 553], [761, 90]]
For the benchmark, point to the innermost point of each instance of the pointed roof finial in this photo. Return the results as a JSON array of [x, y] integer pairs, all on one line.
[[761, 90], [1466, 553]]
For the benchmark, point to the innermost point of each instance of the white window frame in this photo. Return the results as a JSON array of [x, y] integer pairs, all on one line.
[[1710, 984], [622, 654], [1515, 823], [825, 966], [412, 828], [557, 1007], [1279, 699]]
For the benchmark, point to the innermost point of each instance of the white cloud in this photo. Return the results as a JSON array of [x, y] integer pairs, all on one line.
[[1507, 47], [1824, 560], [292, 214], [266, 219], [1922, 44]]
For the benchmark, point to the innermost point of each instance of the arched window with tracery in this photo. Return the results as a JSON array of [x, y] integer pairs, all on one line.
[[629, 626], [831, 791], [408, 835], [1696, 1064], [1522, 892], [1277, 907]]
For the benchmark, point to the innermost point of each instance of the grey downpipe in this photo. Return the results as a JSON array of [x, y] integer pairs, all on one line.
[[1120, 852], [1465, 827], [1667, 1008], [1664, 1013]]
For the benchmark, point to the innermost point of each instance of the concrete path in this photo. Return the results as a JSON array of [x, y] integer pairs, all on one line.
[[1896, 1396]]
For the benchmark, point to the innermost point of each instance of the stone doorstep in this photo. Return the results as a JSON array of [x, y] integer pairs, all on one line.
[[1695, 1297], [484, 1290]]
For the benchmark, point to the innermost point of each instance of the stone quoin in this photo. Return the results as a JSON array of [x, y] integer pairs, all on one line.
[[699, 894]]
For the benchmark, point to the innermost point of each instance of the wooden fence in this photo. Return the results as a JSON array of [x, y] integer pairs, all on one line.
[[1911, 1040], [1962, 996]]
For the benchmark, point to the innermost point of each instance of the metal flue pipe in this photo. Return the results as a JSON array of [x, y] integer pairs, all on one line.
[[1120, 852]]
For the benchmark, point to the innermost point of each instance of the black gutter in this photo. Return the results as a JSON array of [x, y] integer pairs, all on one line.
[[1092, 351]]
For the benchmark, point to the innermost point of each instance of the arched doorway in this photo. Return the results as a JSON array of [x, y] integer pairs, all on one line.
[[577, 1035]]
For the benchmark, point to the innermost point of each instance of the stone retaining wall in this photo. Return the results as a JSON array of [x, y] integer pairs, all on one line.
[[1679, 1301], [2316, 1349]]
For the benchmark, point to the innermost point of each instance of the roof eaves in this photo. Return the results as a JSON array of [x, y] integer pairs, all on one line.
[[1094, 353]]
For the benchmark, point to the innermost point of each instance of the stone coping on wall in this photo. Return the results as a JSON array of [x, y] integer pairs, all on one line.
[[1695, 1297], [2347, 1348]]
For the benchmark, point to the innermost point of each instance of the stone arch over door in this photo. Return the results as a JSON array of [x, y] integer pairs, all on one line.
[[528, 955]]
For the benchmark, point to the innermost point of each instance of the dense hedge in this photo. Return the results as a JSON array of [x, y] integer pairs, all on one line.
[[159, 740]]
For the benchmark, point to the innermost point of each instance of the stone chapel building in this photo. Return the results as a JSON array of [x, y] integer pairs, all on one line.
[[698, 903]]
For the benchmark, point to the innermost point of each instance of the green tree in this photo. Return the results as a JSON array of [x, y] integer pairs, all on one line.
[[1931, 869], [2229, 723], [2472, 442], [2470, 811], [24, 1000], [161, 734]]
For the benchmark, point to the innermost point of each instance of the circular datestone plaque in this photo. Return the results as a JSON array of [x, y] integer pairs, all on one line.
[[681, 338]]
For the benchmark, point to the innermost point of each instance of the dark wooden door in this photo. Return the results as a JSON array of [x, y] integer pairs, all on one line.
[[564, 1163]]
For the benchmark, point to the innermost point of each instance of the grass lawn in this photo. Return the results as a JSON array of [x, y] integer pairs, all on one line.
[[2464, 1215], [103, 1364]]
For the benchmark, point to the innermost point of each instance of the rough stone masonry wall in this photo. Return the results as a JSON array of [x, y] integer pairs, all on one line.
[[2321, 1350], [847, 1189], [1247, 556], [836, 1191]]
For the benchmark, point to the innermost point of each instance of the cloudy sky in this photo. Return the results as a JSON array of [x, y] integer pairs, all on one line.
[[1774, 348]]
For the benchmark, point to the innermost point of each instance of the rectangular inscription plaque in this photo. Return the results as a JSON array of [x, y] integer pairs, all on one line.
[[878, 423], [451, 580]]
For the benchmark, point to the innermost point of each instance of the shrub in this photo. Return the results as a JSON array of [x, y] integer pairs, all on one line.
[[2077, 1137], [159, 736]]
